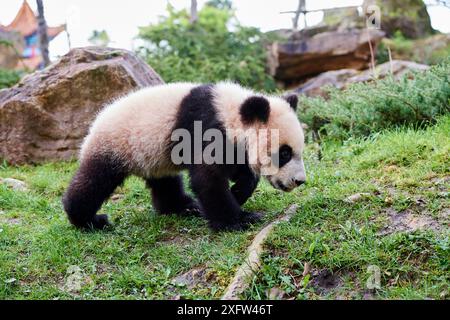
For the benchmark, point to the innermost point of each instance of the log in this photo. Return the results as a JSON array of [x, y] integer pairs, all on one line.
[[293, 62]]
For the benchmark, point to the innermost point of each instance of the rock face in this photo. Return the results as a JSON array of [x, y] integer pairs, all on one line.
[[46, 116], [316, 85], [343, 18], [340, 79], [295, 61]]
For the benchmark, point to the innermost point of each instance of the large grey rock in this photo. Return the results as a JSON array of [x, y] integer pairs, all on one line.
[[46, 116], [341, 79]]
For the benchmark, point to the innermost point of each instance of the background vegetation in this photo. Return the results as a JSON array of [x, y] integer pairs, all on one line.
[[214, 48], [8, 78]]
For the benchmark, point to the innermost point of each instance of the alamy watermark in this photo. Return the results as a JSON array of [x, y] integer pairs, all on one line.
[[212, 146], [373, 16], [374, 280]]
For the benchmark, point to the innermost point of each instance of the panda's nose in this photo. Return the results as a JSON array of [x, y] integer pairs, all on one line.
[[299, 182]]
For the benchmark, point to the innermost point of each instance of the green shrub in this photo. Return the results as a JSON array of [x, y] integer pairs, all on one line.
[[363, 109], [436, 56], [401, 48], [215, 48], [8, 78], [430, 50]]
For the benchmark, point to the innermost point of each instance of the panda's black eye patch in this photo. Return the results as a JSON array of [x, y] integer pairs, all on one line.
[[284, 156]]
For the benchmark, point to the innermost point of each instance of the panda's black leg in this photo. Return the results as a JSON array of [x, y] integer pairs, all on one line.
[[245, 184], [93, 183], [168, 197], [219, 205]]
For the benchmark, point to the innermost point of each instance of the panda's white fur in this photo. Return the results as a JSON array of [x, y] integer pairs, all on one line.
[[133, 136], [137, 128]]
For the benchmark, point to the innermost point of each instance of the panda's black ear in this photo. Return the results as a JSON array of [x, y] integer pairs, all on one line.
[[292, 99], [255, 109]]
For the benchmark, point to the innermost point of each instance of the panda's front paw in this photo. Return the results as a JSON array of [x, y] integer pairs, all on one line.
[[249, 218], [222, 226], [246, 219], [98, 222], [191, 208]]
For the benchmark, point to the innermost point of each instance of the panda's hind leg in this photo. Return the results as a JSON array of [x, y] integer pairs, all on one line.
[[169, 197], [93, 184]]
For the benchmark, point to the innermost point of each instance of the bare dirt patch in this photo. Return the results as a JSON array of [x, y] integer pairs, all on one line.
[[444, 215], [324, 281], [197, 277], [9, 221], [408, 221]]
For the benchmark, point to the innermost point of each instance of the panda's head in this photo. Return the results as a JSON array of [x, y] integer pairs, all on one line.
[[278, 155]]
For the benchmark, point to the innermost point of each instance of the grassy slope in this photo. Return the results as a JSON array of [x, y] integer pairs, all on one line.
[[136, 260], [406, 176], [405, 170]]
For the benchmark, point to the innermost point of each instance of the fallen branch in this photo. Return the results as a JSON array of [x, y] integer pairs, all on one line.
[[252, 263]]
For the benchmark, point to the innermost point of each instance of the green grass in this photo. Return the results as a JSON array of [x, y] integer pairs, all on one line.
[[402, 171], [136, 260]]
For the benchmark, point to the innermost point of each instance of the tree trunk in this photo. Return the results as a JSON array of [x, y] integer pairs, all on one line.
[[42, 32], [194, 11]]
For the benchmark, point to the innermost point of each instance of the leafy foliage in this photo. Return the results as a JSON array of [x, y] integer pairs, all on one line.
[[365, 109], [220, 4], [99, 38], [8, 78], [215, 48]]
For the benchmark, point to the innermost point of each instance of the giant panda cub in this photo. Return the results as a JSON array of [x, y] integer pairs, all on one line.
[[135, 136]]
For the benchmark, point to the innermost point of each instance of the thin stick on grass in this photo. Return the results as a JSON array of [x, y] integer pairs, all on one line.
[[390, 60], [240, 281], [372, 54]]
